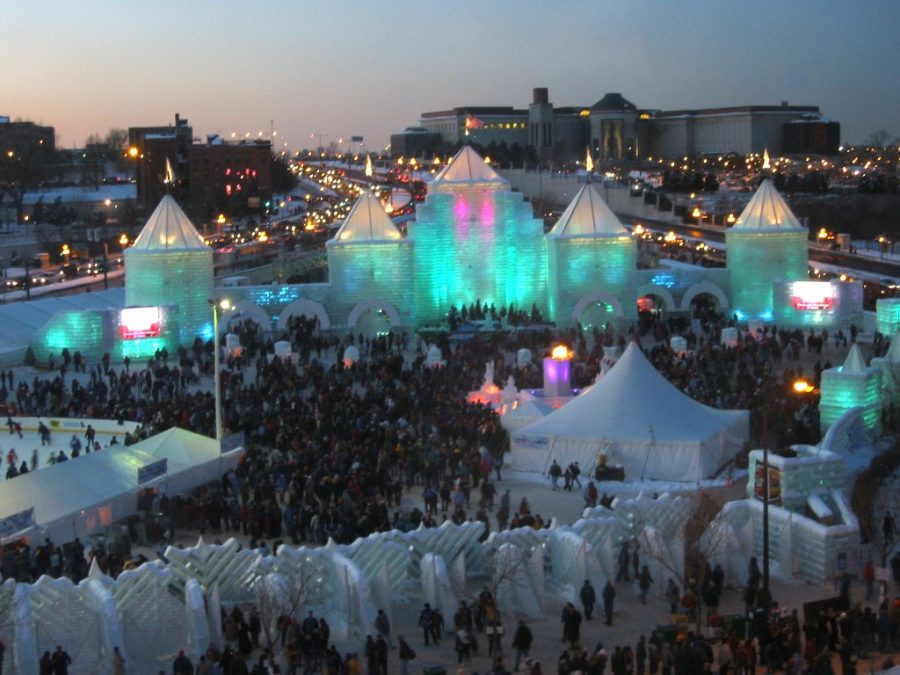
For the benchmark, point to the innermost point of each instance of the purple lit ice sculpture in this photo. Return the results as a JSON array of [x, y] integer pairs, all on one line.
[[558, 373]]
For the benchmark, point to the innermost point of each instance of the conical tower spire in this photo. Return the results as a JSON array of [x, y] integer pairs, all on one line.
[[767, 211], [588, 215], [168, 227], [367, 221]]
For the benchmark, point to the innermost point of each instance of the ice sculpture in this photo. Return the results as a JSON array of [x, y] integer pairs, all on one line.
[[852, 385]]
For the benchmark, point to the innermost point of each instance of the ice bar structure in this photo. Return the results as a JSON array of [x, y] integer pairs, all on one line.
[[473, 239], [851, 385]]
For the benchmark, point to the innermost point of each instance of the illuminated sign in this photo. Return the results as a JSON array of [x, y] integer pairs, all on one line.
[[139, 322], [759, 483], [812, 296]]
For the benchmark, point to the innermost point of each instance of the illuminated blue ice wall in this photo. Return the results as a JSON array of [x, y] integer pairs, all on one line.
[[767, 244], [377, 270], [369, 260], [590, 253], [97, 332], [887, 316], [169, 263], [180, 278], [476, 242]]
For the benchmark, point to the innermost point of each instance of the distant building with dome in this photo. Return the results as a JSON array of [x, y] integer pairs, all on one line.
[[617, 129]]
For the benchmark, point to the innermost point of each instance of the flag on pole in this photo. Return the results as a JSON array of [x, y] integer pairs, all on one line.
[[473, 122]]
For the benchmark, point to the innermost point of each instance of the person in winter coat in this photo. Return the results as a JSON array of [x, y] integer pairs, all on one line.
[[522, 642]]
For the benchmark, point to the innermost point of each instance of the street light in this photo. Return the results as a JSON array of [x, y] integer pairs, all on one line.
[[218, 304], [698, 214], [123, 241]]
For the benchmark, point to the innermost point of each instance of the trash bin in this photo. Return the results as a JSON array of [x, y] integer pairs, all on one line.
[[667, 632]]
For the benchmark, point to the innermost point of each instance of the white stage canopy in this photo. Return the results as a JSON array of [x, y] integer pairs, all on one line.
[[639, 420]]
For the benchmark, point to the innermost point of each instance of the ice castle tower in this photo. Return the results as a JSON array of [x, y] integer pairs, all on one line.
[[170, 264], [766, 244], [368, 259], [588, 250], [475, 239], [852, 385]]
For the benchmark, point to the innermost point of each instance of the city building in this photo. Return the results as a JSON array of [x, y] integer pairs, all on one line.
[[218, 175], [617, 129], [152, 148], [481, 125], [228, 176], [18, 136], [741, 129], [415, 142]]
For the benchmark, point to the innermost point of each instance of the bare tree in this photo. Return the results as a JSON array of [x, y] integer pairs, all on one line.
[[705, 538], [878, 138], [279, 597], [21, 169]]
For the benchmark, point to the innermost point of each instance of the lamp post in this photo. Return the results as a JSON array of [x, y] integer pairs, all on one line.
[[105, 266], [217, 304]]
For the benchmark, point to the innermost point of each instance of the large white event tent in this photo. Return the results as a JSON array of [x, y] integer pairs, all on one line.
[[640, 421], [87, 494]]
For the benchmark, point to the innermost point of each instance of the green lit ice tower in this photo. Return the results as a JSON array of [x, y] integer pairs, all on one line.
[[852, 385], [170, 264], [590, 256], [475, 239], [766, 244], [368, 259]]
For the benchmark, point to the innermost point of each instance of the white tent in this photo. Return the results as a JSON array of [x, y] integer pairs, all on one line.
[[193, 459], [526, 410], [90, 493], [639, 420]]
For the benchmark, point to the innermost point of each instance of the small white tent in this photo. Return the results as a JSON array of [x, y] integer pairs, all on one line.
[[639, 420], [87, 494]]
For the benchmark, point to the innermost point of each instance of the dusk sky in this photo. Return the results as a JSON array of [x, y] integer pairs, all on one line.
[[360, 67]]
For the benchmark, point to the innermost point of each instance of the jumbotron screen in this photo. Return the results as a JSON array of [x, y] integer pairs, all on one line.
[[139, 322], [809, 296]]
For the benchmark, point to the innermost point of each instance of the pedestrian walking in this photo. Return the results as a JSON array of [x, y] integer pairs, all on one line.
[[588, 599], [609, 598]]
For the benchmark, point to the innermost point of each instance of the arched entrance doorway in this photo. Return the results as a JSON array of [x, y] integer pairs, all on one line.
[[243, 312], [597, 309], [704, 301], [305, 308], [373, 317]]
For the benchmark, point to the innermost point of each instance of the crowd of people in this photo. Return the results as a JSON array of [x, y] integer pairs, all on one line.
[[332, 446]]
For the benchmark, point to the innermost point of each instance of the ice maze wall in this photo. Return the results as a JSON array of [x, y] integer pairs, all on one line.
[[476, 244], [151, 612], [756, 260]]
